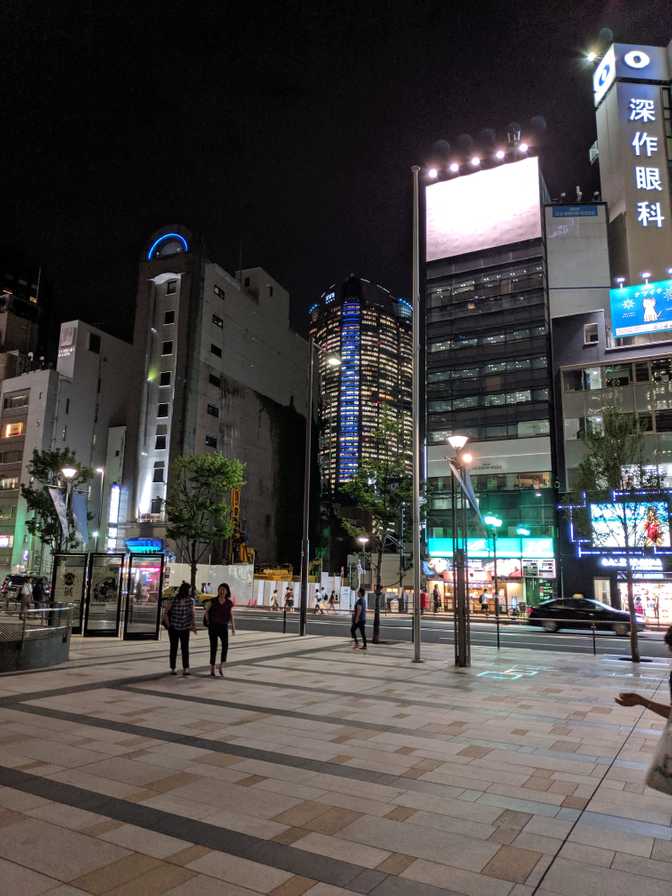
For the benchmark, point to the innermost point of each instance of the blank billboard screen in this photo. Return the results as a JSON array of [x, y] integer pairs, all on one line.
[[483, 210]]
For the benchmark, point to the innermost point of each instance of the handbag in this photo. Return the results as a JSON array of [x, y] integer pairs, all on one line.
[[659, 775]]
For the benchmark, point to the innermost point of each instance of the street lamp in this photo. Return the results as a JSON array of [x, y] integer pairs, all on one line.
[[68, 473], [101, 472], [522, 532], [332, 361], [460, 461], [494, 523], [363, 540]]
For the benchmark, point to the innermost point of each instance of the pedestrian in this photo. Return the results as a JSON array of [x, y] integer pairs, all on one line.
[[180, 621], [483, 600], [217, 618], [26, 596], [659, 775], [403, 603], [40, 597], [274, 600], [514, 606], [332, 600], [359, 619], [436, 599], [289, 599], [424, 601], [319, 597]]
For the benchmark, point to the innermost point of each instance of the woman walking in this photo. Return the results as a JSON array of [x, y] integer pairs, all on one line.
[[218, 616], [180, 621]]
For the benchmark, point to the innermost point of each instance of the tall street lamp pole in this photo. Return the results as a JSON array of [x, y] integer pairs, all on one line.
[[332, 361], [68, 474], [461, 585], [415, 169], [101, 472]]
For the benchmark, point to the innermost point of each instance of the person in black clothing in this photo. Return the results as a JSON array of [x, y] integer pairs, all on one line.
[[359, 619], [217, 617], [660, 709]]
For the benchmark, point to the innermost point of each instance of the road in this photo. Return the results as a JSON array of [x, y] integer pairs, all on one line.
[[483, 634]]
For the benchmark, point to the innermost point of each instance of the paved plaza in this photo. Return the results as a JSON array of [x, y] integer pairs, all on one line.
[[315, 769]]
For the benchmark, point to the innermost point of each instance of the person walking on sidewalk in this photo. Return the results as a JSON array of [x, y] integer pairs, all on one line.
[[436, 599], [218, 617], [180, 621], [359, 619], [274, 600]]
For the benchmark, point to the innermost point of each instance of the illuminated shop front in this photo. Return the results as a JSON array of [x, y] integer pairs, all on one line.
[[525, 571]]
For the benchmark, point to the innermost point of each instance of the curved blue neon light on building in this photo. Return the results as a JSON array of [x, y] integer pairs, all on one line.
[[166, 236]]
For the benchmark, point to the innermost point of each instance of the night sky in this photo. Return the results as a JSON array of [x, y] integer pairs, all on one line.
[[283, 131]]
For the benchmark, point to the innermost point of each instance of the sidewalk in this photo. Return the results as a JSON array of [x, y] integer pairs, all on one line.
[[315, 769]]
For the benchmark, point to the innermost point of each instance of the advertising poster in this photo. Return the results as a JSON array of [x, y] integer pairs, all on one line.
[[69, 581], [645, 523], [644, 308]]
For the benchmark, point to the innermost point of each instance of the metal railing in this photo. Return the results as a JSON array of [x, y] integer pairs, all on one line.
[[23, 625]]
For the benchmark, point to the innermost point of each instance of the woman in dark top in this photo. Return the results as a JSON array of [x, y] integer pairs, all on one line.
[[660, 709], [218, 617]]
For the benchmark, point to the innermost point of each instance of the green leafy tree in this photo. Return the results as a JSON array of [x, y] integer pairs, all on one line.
[[198, 508], [42, 521], [379, 492], [614, 461]]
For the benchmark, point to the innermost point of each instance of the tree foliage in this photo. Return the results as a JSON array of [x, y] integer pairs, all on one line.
[[198, 508], [380, 491], [44, 471]]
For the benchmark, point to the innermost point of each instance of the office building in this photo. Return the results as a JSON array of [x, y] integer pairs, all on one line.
[[80, 405], [612, 350], [218, 368], [369, 330], [488, 367]]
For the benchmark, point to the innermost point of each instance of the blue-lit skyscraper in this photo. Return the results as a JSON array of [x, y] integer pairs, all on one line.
[[370, 331]]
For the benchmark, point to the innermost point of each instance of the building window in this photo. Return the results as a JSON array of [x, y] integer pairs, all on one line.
[[213, 411], [219, 292], [160, 443], [210, 442], [9, 430], [11, 457], [9, 483], [6, 541], [216, 350], [156, 506], [247, 282], [590, 334], [159, 469], [217, 321], [162, 410], [164, 379], [94, 343], [171, 287], [16, 401], [169, 317], [215, 381], [67, 405], [270, 291], [167, 348]]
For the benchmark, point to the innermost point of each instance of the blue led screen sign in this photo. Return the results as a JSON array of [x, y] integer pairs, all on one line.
[[644, 308], [646, 523]]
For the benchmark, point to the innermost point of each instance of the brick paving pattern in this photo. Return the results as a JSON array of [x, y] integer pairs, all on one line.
[[310, 769]]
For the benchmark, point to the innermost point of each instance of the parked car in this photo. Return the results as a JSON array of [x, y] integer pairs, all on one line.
[[581, 612]]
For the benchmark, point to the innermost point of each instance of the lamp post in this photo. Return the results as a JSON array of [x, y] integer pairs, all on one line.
[[68, 474], [101, 472], [362, 540], [494, 523], [522, 532], [415, 407], [332, 361], [460, 583]]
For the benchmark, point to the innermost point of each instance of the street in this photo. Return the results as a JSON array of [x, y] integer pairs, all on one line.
[[395, 627]]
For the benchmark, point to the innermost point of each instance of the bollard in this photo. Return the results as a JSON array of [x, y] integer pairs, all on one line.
[[497, 619], [284, 620], [594, 643]]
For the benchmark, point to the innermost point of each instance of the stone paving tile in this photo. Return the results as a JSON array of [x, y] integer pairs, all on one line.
[[234, 870], [19, 880], [512, 863], [120, 872]]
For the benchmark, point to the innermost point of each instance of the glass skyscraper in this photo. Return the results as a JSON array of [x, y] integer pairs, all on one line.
[[370, 331]]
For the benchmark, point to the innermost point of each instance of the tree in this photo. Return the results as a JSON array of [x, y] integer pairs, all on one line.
[[614, 462], [43, 521], [198, 508], [380, 491]]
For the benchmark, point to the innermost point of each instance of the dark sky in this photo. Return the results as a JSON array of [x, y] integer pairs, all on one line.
[[289, 125]]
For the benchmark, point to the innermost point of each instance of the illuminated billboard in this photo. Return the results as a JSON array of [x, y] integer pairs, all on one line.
[[645, 308], [482, 210], [647, 524]]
